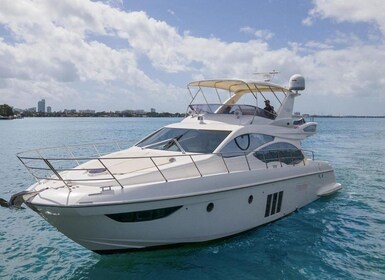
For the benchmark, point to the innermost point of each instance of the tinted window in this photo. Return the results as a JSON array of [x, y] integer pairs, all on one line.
[[191, 140], [245, 144], [310, 128], [282, 152], [142, 216]]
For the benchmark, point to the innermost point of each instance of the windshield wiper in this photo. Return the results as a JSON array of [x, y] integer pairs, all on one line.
[[168, 144], [175, 140]]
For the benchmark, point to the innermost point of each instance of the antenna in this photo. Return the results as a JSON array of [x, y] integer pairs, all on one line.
[[267, 76]]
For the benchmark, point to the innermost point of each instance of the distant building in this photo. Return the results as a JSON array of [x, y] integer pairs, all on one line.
[[32, 110], [134, 112], [41, 106], [87, 111], [49, 109], [153, 110], [70, 111]]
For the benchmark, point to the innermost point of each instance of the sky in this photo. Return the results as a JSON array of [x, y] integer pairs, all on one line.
[[118, 55]]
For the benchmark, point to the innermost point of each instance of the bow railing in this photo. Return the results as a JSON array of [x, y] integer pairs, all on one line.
[[93, 164]]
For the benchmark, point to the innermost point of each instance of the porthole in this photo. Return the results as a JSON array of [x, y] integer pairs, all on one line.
[[250, 199], [210, 207]]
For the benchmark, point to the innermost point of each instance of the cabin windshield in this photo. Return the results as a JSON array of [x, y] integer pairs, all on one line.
[[184, 140]]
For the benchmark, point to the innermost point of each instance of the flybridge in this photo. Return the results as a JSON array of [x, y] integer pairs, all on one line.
[[244, 97]]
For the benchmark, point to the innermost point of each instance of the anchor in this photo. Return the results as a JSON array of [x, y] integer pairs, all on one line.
[[18, 199]]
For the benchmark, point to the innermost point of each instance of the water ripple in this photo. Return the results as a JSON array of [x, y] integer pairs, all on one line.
[[340, 237]]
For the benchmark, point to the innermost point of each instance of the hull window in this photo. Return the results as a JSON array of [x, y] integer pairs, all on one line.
[[273, 203], [143, 216], [280, 152], [210, 207]]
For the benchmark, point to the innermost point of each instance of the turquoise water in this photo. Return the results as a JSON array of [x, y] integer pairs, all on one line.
[[340, 237]]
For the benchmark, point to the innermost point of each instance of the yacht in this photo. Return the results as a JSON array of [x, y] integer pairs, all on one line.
[[229, 166]]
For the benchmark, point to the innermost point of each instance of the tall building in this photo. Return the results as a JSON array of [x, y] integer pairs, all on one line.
[[49, 109], [41, 106]]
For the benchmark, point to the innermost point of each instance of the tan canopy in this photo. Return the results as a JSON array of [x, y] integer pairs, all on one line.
[[239, 86]]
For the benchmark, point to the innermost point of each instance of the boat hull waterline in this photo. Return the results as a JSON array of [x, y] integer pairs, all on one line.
[[234, 210]]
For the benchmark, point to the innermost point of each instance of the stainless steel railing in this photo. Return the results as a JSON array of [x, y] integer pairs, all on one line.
[[54, 164]]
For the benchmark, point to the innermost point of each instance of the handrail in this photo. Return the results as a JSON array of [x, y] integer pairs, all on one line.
[[196, 166], [46, 161], [112, 175], [157, 167], [46, 168], [68, 147], [212, 108]]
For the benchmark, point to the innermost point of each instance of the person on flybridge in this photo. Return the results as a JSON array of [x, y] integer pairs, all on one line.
[[269, 110]]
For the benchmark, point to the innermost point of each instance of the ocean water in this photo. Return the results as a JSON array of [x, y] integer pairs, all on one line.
[[338, 237]]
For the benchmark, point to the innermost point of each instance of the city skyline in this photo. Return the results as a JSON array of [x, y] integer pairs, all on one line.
[[41, 108], [112, 55]]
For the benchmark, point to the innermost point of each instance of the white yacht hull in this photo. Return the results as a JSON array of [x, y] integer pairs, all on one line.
[[235, 208], [224, 169]]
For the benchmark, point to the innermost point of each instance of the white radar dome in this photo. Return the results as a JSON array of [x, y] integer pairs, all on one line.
[[297, 82]]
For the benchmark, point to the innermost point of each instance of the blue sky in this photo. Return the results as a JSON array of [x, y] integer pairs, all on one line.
[[117, 55]]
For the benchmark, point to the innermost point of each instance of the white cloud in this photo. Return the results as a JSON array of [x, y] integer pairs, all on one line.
[[262, 34], [308, 21], [57, 43], [247, 30], [369, 11], [20, 92], [60, 51]]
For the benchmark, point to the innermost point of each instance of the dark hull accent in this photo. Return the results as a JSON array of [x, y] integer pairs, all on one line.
[[143, 216]]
